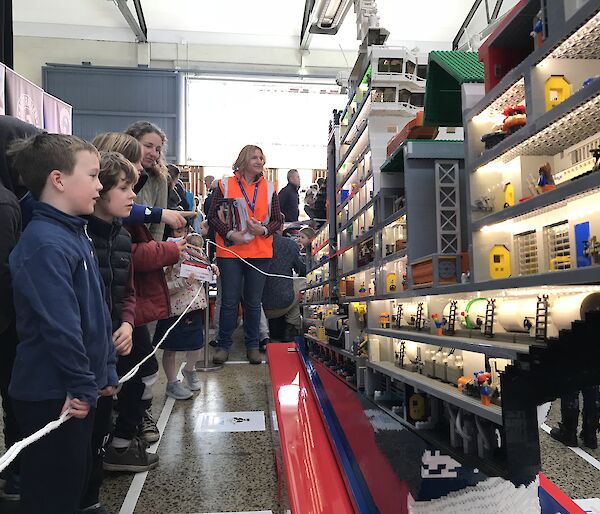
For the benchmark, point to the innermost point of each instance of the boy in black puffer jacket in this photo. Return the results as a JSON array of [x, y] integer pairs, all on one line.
[[113, 249]]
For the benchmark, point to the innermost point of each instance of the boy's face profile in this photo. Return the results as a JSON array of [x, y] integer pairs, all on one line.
[[81, 188], [303, 239], [116, 202]]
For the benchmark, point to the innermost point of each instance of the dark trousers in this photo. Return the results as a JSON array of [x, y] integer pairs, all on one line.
[[54, 469], [569, 405], [131, 405], [100, 434], [8, 350], [233, 273]]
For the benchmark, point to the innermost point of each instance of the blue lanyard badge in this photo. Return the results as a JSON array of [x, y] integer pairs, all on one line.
[[251, 205]]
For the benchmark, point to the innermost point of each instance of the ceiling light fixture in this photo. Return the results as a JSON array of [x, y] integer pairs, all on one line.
[[329, 16]]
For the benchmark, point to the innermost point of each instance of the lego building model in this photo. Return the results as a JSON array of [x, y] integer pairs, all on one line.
[[476, 285]]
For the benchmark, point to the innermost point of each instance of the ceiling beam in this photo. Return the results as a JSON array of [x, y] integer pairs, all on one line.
[[465, 24], [137, 24]]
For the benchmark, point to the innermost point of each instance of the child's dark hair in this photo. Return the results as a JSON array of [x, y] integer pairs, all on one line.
[[112, 165], [36, 157]]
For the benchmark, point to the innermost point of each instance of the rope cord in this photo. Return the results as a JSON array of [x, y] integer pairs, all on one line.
[[274, 275], [16, 448]]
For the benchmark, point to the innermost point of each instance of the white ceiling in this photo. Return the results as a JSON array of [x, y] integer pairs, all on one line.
[[271, 23]]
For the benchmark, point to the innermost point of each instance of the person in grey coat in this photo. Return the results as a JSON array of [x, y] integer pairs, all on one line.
[[280, 295]]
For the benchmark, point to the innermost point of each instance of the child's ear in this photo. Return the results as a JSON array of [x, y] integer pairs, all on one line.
[[55, 180]]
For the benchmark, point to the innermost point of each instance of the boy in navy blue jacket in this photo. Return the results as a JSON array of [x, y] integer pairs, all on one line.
[[65, 358]]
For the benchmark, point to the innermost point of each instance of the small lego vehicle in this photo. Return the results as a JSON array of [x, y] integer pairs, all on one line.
[[515, 117]]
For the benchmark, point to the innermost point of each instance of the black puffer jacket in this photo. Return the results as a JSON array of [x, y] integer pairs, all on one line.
[[113, 248], [10, 230]]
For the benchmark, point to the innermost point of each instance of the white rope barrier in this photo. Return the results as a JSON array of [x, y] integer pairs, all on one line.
[[252, 265], [16, 448]]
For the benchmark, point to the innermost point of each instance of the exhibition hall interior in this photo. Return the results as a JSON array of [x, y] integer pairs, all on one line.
[[300, 256]]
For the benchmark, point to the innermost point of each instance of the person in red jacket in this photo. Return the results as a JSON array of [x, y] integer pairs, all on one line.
[[135, 427]]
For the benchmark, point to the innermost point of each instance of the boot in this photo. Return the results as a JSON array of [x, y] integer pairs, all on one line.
[[566, 432], [289, 334], [589, 434], [590, 417]]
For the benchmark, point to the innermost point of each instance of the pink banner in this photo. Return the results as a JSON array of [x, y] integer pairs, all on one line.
[[57, 115], [24, 100], [2, 101]]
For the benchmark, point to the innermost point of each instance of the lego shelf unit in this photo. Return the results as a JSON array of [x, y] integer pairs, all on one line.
[[468, 270]]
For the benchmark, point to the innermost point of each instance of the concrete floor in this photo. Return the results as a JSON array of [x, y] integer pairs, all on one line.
[[202, 472]]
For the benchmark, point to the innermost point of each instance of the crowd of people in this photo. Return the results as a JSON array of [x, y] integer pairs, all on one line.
[[92, 246]]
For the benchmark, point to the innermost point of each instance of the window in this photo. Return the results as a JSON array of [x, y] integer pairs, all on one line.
[[383, 94], [527, 252], [417, 99], [422, 71], [558, 248], [385, 65], [224, 114], [396, 65], [404, 96], [410, 68]]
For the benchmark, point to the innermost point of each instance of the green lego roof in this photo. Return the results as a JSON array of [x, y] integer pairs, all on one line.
[[446, 72]]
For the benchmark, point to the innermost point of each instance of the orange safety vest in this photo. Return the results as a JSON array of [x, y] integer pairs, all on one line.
[[260, 246]]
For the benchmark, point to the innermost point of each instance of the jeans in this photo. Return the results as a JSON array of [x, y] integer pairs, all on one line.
[[235, 272], [263, 328], [591, 402]]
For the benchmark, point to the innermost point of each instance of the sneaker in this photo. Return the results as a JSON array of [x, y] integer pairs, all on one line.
[[262, 344], [193, 380], [178, 391], [254, 356], [221, 356], [213, 343], [148, 431], [133, 459], [98, 508]]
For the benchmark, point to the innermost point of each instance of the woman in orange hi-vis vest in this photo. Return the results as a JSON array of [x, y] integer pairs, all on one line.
[[244, 213]]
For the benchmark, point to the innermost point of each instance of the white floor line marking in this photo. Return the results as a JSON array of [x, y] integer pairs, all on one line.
[[135, 489], [578, 451]]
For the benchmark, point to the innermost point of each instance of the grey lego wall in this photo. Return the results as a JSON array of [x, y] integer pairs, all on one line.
[[109, 99]]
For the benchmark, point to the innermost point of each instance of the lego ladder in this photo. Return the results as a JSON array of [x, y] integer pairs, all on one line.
[[452, 318], [541, 318], [419, 318], [488, 327], [399, 315]]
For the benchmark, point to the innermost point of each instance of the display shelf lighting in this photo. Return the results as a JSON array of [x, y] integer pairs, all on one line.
[[514, 95], [582, 44], [569, 130], [530, 221]]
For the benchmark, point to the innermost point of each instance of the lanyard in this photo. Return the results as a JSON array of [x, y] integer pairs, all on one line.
[[251, 205]]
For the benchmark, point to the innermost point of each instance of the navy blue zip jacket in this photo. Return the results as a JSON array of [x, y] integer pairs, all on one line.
[[63, 322]]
